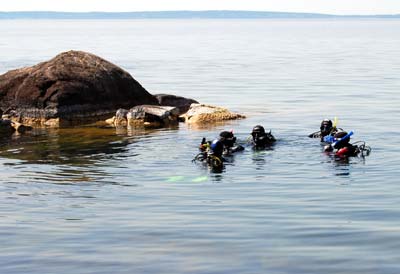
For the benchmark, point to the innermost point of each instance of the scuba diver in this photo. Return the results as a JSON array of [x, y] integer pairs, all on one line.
[[214, 155], [212, 152], [344, 149], [229, 141], [261, 139], [326, 132]]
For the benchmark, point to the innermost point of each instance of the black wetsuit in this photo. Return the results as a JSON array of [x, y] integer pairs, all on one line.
[[263, 140], [321, 135], [229, 150]]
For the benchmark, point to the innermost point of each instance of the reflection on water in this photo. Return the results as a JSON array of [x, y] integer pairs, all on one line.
[[228, 125], [342, 166], [261, 157], [73, 155], [71, 146]]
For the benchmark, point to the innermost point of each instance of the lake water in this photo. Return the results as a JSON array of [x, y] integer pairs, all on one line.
[[100, 200]]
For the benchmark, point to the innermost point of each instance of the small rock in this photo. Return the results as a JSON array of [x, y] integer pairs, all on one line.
[[20, 127], [111, 121], [6, 126], [121, 113], [199, 113], [182, 103], [150, 115]]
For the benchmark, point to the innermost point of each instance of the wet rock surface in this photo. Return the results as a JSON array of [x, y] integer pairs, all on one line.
[[200, 113], [6, 126], [182, 103], [146, 115], [74, 87]]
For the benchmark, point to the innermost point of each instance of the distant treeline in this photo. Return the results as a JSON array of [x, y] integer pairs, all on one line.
[[215, 14]]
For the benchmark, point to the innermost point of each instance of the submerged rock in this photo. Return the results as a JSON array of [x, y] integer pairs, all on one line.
[[74, 87], [20, 127], [146, 115], [199, 114], [6, 126], [182, 103]]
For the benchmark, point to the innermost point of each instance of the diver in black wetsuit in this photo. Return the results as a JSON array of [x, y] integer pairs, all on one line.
[[213, 152], [261, 139], [229, 142], [326, 129], [343, 148]]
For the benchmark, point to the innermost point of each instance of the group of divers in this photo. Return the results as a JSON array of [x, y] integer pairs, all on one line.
[[336, 142]]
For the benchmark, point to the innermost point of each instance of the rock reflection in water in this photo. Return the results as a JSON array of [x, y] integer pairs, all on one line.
[[73, 146]]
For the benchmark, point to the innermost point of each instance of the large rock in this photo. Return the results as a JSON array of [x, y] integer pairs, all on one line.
[[74, 87], [201, 114], [182, 103]]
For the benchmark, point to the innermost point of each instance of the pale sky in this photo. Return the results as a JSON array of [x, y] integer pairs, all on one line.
[[317, 6]]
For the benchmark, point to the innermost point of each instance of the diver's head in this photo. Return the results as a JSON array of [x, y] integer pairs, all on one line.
[[258, 130], [227, 138], [216, 148], [326, 127], [257, 133], [338, 136]]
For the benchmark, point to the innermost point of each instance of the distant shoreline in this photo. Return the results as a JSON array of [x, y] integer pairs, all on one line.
[[213, 14]]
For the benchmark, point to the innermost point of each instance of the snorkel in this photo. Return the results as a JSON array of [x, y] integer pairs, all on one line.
[[335, 121], [337, 142]]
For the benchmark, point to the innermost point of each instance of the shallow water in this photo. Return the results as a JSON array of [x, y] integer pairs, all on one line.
[[101, 200]]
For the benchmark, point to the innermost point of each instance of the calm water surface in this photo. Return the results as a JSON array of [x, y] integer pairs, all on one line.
[[103, 200]]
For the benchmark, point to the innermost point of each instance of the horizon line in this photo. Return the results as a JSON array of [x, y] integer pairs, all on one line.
[[198, 12]]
